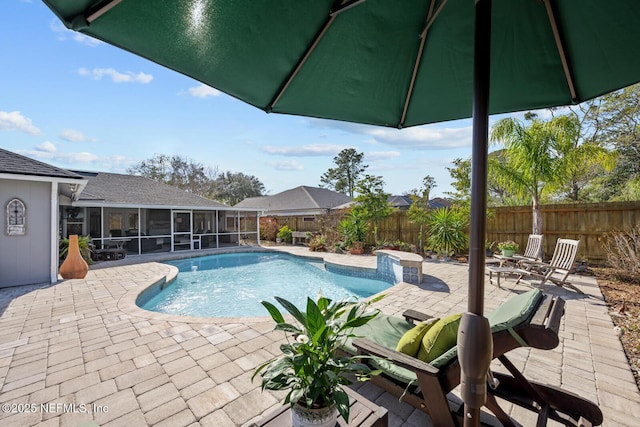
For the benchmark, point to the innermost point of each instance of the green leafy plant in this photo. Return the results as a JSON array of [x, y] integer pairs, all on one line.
[[508, 245], [447, 231], [311, 366], [83, 245], [353, 228], [317, 243], [285, 234]]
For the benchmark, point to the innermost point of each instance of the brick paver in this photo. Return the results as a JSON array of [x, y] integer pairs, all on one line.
[[83, 342]]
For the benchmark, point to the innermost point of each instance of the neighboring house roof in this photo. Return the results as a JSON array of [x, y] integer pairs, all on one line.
[[301, 199], [439, 202], [400, 202], [111, 189], [16, 164]]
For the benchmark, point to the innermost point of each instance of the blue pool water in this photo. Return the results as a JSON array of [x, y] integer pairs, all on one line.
[[232, 285]]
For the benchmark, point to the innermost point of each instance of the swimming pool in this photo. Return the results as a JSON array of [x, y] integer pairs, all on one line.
[[232, 285]]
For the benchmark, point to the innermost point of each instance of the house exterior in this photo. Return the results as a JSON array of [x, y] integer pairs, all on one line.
[[146, 216], [29, 195], [42, 204], [299, 201]]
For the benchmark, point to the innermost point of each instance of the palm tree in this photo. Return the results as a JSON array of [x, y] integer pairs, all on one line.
[[537, 158]]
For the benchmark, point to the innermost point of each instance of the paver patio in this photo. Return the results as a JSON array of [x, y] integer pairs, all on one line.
[[81, 350]]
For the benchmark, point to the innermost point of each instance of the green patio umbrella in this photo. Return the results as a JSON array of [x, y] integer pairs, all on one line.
[[394, 63]]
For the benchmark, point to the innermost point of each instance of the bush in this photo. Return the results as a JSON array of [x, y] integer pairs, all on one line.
[[623, 250], [285, 234], [447, 231], [318, 243], [268, 229]]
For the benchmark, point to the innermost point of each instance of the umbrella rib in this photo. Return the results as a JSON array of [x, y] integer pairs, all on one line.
[[561, 52], [416, 66], [332, 16], [345, 6], [302, 61], [101, 9]]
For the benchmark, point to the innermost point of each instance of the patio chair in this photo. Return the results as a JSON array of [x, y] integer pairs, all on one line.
[[564, 256], [533, 251], [529, 319]]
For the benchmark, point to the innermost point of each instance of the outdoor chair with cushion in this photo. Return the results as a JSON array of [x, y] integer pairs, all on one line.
[[564, 256], [529, 319]]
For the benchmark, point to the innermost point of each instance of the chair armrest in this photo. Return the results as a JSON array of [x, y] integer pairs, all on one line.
[[412, 315], [368, 347]]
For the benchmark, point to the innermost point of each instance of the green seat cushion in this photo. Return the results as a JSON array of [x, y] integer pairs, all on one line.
[[410, 342], [383, 329], [440, 338], [514, 311]]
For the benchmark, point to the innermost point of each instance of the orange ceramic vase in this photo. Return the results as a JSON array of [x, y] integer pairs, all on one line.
[[74, 266]]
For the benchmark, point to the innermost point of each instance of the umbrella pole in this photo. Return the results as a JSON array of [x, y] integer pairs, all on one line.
[[475, 343]]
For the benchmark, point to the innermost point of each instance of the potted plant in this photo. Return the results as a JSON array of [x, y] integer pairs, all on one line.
[[508, 247], [311, 367], [488, 246]]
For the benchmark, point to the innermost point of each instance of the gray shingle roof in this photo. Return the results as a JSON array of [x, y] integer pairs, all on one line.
[[109, 188], [17, 164], [299, 198]]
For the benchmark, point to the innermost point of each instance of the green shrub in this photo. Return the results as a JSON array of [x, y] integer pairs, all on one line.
[[285, 234], [447, 231]]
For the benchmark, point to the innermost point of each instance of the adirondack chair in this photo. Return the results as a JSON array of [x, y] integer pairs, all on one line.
[[530, 319], [561, 264]]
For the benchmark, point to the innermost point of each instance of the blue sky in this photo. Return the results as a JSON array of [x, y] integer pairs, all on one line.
[[76, 103]]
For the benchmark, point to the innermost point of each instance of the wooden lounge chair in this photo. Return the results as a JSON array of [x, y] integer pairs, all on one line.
[[533, 251], [530, 319], [564, 256]]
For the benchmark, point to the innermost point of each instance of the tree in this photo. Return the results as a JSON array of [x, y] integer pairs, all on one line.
[[234, 187], [418, 212], [535, 157], [461, 174], [372, 202], [344, 176], [177, 171], [189, 175]]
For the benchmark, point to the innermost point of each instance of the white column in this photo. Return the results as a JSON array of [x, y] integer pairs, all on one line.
[[54, 247]]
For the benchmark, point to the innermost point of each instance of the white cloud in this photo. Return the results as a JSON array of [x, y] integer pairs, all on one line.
[[16, 121], [116, 76], [424, 137], [73, 135], [68, 159], [310, 150], [288, 165], [203, 91], [46, 147], [63, 33], [427, 137], [380, 155]]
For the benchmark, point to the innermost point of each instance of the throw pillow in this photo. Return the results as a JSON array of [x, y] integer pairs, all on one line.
[[439, 338], [410, 342]]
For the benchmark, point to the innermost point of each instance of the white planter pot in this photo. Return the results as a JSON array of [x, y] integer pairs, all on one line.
[[322, 417]]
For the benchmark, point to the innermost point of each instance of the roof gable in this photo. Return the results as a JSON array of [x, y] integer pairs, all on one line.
[[298, 198], [16, 164], [110, 188]]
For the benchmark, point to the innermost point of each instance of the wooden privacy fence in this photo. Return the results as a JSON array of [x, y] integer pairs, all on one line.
[[587, 222]]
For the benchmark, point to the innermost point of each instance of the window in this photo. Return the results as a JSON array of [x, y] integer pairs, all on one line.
[[16, 218], [308, 219]]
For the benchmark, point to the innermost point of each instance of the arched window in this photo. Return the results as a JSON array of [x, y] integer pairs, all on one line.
[[16, 218]]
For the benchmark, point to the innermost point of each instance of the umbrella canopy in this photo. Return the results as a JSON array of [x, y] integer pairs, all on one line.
[[380, 62], [389, 63]]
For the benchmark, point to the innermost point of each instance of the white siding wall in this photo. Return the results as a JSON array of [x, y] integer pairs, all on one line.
[[26, 259]]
